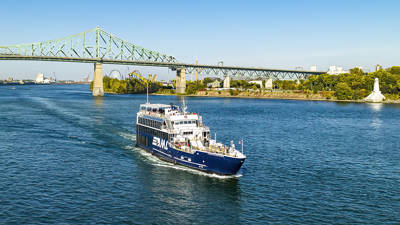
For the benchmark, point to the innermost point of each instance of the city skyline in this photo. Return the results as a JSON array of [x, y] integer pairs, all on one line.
[[281, 35]]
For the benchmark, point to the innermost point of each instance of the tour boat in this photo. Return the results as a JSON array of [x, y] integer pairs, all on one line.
[[180, 137]]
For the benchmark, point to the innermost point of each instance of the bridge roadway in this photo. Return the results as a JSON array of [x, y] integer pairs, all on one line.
[[181, 68], [171, 65]]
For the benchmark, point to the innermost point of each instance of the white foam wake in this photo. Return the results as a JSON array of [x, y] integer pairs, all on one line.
[[62, 111], [128, 136]]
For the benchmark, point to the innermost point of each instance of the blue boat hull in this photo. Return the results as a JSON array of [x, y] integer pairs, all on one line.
[[204, 161]]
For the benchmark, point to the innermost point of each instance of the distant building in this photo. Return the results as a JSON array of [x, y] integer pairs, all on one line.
[[259, 82], [39, 78], [299, 68], [378, 67], [167, 83], [214, 84], [313, 68], [333, 70], [46, 81]]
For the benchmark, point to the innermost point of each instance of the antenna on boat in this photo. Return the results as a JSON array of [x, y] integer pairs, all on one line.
[[147, 95], [184, 107]]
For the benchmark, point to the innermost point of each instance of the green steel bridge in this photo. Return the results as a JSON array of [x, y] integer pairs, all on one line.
[[100, 47]]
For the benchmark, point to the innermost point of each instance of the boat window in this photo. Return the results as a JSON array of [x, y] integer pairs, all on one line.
[[186, 122]]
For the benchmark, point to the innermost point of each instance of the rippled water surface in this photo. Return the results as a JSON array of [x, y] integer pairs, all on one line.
[[67, 157]]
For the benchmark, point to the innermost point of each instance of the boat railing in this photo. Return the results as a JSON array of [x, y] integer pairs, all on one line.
[[222, 150]]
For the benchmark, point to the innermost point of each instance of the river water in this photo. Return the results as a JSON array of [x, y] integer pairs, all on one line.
[[66, 157]]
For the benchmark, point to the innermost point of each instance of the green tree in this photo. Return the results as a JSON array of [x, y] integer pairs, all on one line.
[[356, 71], [207, 80], [240, 84], [359, 94], [394, 70], [343, 91]]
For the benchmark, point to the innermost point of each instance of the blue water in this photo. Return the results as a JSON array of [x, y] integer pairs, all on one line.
[[67, 157]]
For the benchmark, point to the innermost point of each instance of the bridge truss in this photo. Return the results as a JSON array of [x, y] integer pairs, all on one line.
[[99, 46], [95, 44], [248, 73]]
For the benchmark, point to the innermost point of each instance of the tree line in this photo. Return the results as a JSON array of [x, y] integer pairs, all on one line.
[[354, 85], [127, 86], [349, 86]]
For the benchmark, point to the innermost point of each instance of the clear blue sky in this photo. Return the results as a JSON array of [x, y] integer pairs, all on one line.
[[274, 34]]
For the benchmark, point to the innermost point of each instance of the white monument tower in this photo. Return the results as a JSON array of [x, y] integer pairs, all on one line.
[[376, 95]]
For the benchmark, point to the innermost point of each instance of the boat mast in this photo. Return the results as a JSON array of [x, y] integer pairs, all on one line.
[[147, 92], [184, 107], [242, 146]]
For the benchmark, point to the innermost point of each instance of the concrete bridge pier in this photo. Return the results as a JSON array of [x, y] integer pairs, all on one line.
[[269, 84], [227, 82], [98, 89], [180, 81]]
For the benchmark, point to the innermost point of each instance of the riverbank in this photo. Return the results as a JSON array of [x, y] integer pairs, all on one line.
[[275, 94]]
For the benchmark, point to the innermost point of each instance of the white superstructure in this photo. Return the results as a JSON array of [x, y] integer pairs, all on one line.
[[184, 130]]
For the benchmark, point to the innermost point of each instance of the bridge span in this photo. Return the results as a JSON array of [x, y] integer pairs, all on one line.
[[100, 47]]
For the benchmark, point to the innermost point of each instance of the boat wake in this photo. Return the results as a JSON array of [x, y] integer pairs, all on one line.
[[67, 114], [157, 162]]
